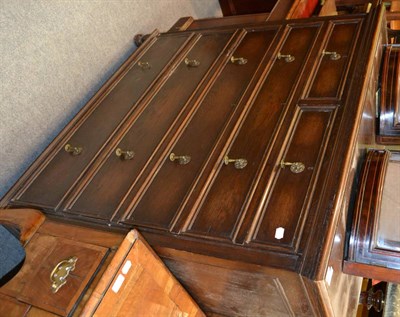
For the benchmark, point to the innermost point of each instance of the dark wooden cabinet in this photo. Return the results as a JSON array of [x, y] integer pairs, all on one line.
[[374, 242], [233, 143], [389, 105]]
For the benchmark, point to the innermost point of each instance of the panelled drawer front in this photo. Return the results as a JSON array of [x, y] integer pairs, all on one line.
[[108, 186], [220, 210], [288, 199], [50, 186], [162, 200], [32, 284], [335, 59]]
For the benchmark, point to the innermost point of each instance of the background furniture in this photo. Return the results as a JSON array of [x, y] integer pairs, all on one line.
[[375, 236]]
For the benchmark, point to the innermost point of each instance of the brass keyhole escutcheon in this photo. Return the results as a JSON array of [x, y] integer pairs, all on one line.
[[124, 155], [191, 62], [238, 163], [182, 159], [74, 150], [287, 58], [295, 167], [332, 55], [238, 60]]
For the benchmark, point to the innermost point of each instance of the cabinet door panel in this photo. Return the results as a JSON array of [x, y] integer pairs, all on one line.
[[220, 209], [49, 187], [287, 202], [332, 70], [105, 191], [162, 199]]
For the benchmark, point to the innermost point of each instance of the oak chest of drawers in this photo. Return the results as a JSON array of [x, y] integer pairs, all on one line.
[[231, 148]]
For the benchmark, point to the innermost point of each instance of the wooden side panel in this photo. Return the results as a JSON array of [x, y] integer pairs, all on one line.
[[233, 288], [160, 204], [147, 133], [291, 192], [55, 178], [137, 283], [218, 212]]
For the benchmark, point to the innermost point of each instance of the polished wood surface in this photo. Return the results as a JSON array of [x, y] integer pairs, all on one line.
[[27, 221], [112, 182], [11, 307], [115, 106], [137, 283], [236, 288], [199, 138], [86, 234]]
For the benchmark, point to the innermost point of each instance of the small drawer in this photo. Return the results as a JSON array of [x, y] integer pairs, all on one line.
[[33, 285], [288, 201], [334, 62]]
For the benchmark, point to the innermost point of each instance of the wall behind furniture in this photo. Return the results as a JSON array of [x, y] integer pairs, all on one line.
[[55, 54]]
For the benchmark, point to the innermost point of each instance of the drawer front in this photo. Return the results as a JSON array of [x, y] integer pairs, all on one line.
[[219, 211], [48, 188], [335, 59], [32, 284], [163, 197], [292, 189], [148, 131]]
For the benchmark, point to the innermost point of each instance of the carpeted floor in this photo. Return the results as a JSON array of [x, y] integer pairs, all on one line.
[[55, 54]]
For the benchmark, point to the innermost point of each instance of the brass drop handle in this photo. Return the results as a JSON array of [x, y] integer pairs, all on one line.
[[238, 163], [288, 58], [295, 167], [144, 65], [74, 150], [125, 155], [191, 62], [182, 159], [332, 55], [58, 276], [238, 60]]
